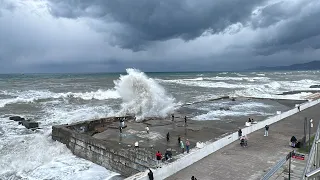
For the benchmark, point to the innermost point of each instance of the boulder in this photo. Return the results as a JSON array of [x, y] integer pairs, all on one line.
[[315, 86], [16, 118], [224, 108], [30, 124]]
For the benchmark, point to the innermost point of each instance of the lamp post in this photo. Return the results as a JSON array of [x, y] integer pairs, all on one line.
[[305, 132], [310, 126]]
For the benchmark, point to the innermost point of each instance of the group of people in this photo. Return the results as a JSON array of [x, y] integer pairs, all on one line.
[[168, 153], [244, 139], [251, 121], [180, 142], [185, 119]]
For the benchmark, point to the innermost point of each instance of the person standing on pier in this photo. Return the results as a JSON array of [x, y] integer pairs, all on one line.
[[239, 133], [185, 120], [159, 157], [182, 146], [120, 128], [266, 131], [187, 145], [150, 174]]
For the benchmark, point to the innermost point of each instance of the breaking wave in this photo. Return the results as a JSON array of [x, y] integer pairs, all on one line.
[[142, 95]]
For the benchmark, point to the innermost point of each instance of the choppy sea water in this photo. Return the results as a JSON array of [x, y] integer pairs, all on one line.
[[65, 98]]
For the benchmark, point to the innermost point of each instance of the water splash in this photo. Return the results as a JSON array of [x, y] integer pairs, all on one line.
[[142, 95]]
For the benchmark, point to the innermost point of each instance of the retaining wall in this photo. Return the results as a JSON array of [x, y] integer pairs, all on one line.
[[126, 161], [194, 156]]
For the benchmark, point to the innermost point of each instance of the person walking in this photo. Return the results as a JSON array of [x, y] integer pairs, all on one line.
[[150, 174], [172, 116], [159, 158], [182, 146], [168, 137], [179, 139], [185, 120], [120, 128], [266, 131], [147, 129], [193, 178], [239, 133], [187, 145]]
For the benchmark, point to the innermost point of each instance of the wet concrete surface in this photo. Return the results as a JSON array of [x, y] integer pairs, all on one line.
[[252, 162], [194, 130]]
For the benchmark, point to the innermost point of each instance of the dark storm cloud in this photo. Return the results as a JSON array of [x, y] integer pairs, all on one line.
[[156, 35], [288, 26], [155, 20]]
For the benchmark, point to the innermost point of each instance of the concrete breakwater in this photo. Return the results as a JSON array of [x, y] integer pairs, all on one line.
[[101, 142], [124, 160]]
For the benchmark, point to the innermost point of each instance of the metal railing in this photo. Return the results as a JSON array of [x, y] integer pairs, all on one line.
[[274, 169], [312, 159]]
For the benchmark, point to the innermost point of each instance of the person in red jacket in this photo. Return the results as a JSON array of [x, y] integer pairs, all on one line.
[[159, 157]]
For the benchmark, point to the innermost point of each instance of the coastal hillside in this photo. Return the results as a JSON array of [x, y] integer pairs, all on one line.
[[313, 65]]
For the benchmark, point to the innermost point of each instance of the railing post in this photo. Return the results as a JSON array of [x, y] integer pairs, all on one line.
[[290, 165]]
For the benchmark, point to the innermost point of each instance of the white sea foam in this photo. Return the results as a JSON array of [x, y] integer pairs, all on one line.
[[208, 84], [142, 95], [33, 95], [272, 89], [33, 155], [71, 114], [243, 109]]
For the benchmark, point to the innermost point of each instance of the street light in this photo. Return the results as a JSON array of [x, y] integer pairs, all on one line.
[[310, 126]]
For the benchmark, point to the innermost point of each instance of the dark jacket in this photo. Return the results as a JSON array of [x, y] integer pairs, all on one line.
[[150, 174], [267, 127], [293, 139]]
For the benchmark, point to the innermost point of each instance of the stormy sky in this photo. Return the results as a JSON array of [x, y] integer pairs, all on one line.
[[156, 35]]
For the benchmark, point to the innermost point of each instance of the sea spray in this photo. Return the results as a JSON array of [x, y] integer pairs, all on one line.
[[142, 96]]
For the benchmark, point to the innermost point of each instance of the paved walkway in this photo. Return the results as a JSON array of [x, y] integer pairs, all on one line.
[[235, 162]]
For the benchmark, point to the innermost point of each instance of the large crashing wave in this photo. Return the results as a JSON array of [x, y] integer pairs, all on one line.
[[142, 96]]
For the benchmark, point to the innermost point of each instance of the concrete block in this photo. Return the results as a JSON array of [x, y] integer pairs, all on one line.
[[30, 124], [16, 118]]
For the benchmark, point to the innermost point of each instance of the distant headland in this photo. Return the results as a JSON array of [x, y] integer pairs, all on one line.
[[313, 65]]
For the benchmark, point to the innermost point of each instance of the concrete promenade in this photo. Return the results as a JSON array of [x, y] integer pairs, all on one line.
[[252, 162]]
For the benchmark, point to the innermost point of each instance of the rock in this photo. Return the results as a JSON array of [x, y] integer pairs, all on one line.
[[224, 108], [315, 86], [30, 124], [16, 118]]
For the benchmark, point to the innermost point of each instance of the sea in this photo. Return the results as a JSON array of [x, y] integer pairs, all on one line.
[[53, 99]]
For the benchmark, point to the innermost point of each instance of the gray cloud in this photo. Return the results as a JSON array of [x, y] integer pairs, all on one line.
[[185, 35], [154, 20], [288, 26]]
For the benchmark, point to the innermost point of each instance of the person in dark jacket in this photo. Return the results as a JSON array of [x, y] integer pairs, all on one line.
[[266, 131], [168, 137], [239, 133], [293, 141], [150, 174], [179, 139]]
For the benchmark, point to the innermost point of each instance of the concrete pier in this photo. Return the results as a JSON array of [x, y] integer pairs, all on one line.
[[101, 142]]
